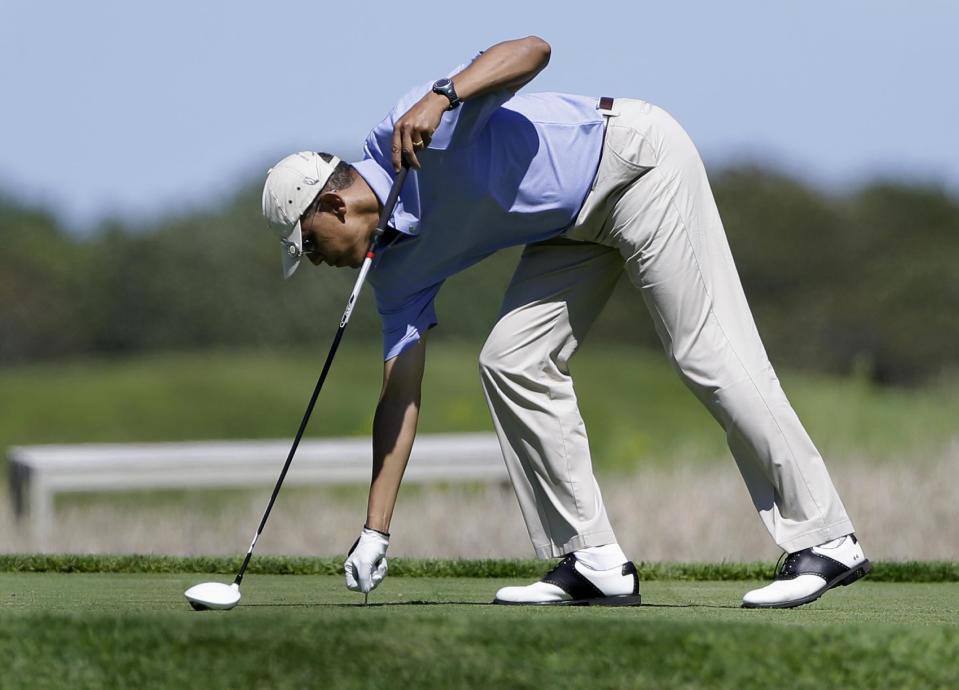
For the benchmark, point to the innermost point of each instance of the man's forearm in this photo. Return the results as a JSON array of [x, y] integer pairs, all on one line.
[[506, 65], [394, 428]]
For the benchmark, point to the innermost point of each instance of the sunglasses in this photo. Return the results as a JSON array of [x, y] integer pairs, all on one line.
[[309, 247]]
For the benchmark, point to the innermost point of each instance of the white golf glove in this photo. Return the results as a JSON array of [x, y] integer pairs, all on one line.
[[365, 566]]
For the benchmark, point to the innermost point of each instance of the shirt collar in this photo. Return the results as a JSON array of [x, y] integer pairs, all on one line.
[[406, 212], [378, 179]]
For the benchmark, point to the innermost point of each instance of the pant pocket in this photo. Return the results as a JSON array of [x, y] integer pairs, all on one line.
[[627, 155]]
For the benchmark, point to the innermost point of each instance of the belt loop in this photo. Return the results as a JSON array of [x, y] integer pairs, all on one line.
[[605, 108]]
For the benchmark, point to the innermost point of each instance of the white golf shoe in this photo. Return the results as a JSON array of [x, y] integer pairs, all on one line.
[[572, 583], [808, 574]]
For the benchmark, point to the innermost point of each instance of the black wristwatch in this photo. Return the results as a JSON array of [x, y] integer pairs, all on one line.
[[444, 87]]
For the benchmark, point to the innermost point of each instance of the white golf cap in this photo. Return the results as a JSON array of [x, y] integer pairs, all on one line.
[[291, 186]]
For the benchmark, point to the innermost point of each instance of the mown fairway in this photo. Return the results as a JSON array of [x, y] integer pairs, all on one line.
[[136, 630]]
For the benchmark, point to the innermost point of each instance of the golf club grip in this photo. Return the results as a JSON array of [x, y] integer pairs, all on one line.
[[391, 201], [384, 218]]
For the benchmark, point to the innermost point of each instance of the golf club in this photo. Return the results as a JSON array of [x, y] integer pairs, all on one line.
[[216, 595]]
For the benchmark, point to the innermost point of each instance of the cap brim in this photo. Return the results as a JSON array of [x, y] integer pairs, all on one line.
[[290, 262]]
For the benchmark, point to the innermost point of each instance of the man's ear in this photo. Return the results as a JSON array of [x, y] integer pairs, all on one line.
[[333, 203]]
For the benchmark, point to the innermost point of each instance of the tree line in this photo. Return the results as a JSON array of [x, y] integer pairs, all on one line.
[[864, 282]]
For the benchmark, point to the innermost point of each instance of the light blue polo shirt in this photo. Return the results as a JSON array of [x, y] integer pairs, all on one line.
[[501, 170]]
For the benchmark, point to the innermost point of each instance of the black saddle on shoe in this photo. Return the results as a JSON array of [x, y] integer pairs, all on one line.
[[808, 562], [582, 592]]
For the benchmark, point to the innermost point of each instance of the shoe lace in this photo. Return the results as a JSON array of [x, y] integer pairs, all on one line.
[[780, 563], [786, 563]]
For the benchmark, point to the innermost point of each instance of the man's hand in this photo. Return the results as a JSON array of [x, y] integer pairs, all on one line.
[[365, 565], [413, 131]]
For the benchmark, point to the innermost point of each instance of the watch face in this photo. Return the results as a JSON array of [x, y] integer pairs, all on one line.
[[445, 87]]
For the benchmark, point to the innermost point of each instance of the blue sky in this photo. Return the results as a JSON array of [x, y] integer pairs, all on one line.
[[147, 108]]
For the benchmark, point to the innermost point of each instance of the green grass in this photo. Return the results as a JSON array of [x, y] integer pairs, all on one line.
[[883, 571], [634, 405], [109, 630]]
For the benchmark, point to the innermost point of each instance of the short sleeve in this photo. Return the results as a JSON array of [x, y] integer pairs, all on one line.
[[405, 321]]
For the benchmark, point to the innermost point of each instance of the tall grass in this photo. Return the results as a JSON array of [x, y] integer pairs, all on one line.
[[691, 511]]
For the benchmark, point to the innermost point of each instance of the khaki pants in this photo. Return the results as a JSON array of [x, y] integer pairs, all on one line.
[[651, 212]]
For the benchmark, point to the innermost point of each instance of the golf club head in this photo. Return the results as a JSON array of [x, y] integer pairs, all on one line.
[[213, 595]]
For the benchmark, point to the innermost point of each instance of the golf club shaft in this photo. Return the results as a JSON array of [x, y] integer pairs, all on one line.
[[361, 278]]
